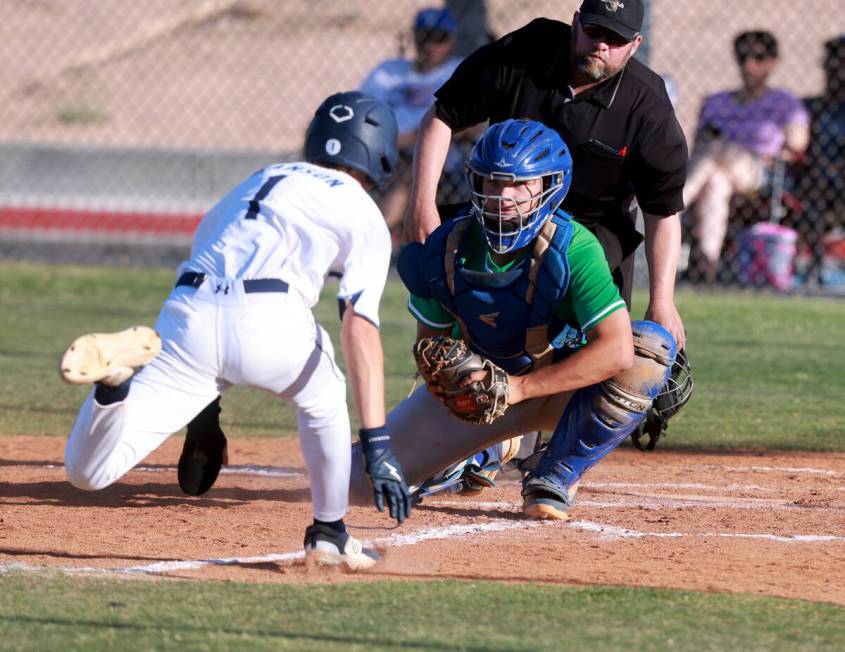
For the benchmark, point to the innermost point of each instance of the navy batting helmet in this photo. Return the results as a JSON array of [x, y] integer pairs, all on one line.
[[354, 130]]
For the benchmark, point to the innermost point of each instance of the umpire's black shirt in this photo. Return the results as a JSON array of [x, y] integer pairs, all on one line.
[[623, 135]]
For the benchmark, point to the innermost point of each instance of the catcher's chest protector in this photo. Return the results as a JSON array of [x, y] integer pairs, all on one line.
[[506, 316]]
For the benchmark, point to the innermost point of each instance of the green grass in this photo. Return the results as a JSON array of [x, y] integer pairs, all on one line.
[[767, 376], [45, 307], [767, 368], [768, 372], [38, 612]]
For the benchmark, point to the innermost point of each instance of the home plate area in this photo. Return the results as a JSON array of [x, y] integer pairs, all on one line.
[[716, 521]]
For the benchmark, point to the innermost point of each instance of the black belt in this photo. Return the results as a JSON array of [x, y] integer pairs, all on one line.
[[251, 285]]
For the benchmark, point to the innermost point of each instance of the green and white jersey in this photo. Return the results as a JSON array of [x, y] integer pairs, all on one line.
[[591, 296]]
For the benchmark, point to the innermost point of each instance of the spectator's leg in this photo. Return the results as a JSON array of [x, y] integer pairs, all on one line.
[[743, 168], [700, 170], [710, 215]]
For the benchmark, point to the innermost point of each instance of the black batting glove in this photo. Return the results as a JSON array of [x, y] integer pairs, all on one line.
[[385, 474]]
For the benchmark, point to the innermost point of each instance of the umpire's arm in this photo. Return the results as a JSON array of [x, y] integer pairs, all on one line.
[[662, 250], [433, 141], [609, 350]]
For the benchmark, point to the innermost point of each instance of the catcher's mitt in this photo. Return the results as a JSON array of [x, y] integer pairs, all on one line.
[[447, 362]]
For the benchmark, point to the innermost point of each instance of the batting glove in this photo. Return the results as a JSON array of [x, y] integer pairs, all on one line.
[[385, 473]]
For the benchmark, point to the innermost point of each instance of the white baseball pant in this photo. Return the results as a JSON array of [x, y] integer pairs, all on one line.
[[213, 337]]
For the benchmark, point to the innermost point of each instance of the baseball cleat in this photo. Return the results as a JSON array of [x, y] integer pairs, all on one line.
[[203, 453], [109, 358], [327, 547], [546, 505]]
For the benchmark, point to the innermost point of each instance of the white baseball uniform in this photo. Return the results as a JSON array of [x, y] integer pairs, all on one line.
[[240, 314]]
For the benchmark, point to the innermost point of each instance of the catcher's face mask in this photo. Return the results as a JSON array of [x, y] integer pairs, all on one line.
[[519, 173], [678, 389], [512, 211]]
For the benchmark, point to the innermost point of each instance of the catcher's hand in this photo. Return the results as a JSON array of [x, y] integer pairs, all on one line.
[[473, 388], [385, 474]]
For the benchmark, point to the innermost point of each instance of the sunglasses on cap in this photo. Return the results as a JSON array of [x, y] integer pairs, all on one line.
[[599, 33]]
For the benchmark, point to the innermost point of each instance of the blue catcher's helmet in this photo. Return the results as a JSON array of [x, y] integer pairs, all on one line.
[[518, 150], [354, 130]]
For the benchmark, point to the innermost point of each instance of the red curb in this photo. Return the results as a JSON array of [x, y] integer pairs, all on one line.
[[70, 219]]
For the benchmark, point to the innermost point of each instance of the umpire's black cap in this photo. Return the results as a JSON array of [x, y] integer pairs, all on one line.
[[625, 17]]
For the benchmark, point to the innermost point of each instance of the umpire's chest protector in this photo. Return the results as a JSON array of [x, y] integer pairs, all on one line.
[[506, 316]]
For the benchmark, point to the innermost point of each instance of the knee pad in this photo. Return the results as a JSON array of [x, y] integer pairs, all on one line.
[[599, 418], [655, 351]]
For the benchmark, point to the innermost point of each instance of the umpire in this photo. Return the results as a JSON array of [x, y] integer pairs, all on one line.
[[613, 113]]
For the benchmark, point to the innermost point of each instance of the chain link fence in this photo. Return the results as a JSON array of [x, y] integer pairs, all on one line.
[[122, 121]]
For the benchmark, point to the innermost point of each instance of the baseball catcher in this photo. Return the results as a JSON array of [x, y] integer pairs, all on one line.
[[546, 343]]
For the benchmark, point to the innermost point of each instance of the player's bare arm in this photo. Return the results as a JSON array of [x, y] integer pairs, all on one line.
[[364, 356], [796, 140], [662, 249], [609, 351], [430, 152]]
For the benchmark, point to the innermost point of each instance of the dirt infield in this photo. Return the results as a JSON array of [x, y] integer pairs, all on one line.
[[751, 522]]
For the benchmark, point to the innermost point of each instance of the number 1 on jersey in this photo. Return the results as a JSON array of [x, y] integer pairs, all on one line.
[[263, 191]]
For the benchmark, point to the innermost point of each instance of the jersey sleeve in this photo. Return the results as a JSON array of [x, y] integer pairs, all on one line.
[[367, 258], [430, 312], [659, 170], [592, 294]]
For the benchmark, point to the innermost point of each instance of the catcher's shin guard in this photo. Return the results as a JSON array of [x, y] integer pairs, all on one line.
[[599, 418], [203, 452]]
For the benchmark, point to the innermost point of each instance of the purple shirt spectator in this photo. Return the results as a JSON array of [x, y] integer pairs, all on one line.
[[757, 126]]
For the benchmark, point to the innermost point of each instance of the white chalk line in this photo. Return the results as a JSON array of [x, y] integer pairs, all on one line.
[[276, 471], [676, 485], [234, 469], [392, 541], [613, 532], [776, 469], [604, 531], [651, 502]]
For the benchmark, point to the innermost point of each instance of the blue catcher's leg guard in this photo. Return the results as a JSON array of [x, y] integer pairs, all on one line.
[[473, 474], [449, 480], [596, 420]]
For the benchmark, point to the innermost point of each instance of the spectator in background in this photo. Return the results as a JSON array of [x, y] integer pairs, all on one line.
[[825, 191], [408, 87], [739, 136]]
